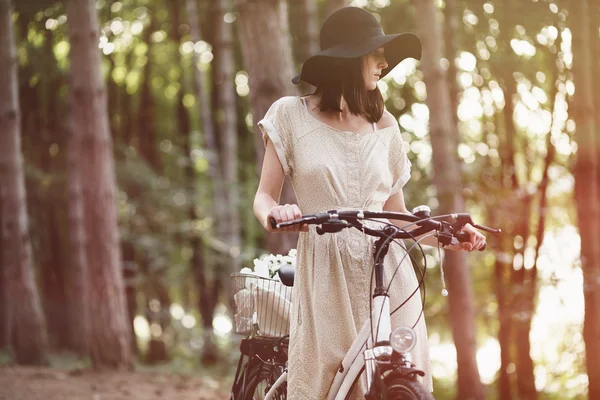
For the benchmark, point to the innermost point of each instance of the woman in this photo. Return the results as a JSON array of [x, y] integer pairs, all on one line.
[[342, 150]]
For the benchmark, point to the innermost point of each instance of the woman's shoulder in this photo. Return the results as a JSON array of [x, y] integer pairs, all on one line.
[[387, 120], [389, 123], [286, 102]]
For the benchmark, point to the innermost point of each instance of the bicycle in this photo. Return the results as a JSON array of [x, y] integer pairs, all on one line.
[[386, 362]]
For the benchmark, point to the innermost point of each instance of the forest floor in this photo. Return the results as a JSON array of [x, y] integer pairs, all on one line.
[[33, 383], [68, 377]]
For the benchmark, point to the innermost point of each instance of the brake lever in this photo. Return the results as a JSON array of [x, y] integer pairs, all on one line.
[[332, 226], [451, 234]]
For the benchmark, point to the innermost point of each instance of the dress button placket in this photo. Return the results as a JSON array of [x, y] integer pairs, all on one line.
[[354, 189]]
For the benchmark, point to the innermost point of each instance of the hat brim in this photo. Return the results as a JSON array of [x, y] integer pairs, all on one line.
[[397, 47]]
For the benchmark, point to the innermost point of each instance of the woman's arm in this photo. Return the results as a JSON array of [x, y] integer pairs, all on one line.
[[396, 203], [266, 201]]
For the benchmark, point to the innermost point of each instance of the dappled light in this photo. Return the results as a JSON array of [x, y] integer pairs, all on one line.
[[130, 178]]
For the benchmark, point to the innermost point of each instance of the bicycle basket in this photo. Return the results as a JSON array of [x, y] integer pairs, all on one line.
[[261, 305]]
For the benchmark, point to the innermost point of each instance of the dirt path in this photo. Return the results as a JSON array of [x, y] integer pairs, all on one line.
[[34, 383]]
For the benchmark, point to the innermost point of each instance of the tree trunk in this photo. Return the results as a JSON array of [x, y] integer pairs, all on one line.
[[333, 5], [586, 188], [505, 328], [452, 28], [91, 147], [53, 280], [157, 350], [27, 334], [308, 32], [3, 298], [158, 315], [447, 179], [4, 323], [260, 32], [147, 128], [304, 23], [225, 113], [77, 276], [207, 290], [129, 276]]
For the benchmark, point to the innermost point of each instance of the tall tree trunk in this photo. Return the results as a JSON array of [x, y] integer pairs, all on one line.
[[129, 276], [4, 335], [51, 254], [447, 179], [52, 281], [586, 188], [304, 23], [28, 337], [3, 297], [146, 124], [260, 32], [505, 328], [77, 276], [452, 31], [225, 112], [308, 31], [92, 149], [207, 289], [333, 5], [157, 349]]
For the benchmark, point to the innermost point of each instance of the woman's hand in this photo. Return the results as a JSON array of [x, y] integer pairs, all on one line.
[[476, 240], [284, 213]]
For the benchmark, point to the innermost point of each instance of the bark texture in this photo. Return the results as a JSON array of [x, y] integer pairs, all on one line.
[[207, 289], [586, 186], [268, 60], [448, 182], [26, 324], [91, 149]]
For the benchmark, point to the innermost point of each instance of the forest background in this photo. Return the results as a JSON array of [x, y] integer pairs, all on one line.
[[129, 158]]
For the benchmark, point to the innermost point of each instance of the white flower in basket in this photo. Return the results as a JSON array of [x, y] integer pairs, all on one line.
[[265, 301]]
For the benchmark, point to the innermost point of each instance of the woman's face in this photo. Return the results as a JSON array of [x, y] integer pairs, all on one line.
[[372, 65]]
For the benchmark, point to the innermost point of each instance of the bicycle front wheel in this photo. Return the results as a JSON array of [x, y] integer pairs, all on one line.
[[260, 379], [403, 388]]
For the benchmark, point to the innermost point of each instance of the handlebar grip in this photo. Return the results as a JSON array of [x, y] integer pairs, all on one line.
[[464, 237], [273, 223]]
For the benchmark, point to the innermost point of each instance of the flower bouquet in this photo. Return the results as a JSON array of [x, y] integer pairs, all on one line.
[[262, 302]]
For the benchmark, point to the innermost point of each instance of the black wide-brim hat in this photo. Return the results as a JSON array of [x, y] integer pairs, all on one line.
[[352, 32]]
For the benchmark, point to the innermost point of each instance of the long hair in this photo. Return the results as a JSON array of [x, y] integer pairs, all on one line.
[[343, 77]]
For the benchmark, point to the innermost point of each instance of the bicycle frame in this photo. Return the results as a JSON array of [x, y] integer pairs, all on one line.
[[353, 364]]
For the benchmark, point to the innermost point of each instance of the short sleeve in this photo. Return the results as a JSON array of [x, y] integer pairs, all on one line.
[[401, 169], [276, 126]]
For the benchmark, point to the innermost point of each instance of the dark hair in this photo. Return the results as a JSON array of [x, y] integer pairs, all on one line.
[[344, 77]]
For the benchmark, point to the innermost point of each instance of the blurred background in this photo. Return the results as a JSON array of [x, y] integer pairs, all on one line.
[[130, 156]]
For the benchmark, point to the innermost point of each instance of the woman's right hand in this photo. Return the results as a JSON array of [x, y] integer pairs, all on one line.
[[284, 213]]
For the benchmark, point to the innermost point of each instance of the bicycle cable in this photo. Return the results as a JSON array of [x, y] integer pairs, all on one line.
[[388, 239]]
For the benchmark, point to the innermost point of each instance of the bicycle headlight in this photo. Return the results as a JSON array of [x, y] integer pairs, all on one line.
[[403, 339]]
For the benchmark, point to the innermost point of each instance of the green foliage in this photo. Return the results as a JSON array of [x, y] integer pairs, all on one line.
[[497, 45]]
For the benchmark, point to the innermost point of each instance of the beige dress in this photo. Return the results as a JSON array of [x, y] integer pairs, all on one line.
[[334, 169]]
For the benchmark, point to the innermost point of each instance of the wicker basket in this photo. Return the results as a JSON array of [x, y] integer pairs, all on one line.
[[261, 306]]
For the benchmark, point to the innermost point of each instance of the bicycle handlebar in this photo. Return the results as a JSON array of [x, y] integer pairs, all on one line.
[[334, 221]]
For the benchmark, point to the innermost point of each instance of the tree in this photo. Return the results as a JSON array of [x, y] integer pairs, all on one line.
[[447, 179], [586, 186], [268, 61], [91, 149], [27, 329], [208, 291], [333, 5], [225, 115], [3, 296], [305, 13]]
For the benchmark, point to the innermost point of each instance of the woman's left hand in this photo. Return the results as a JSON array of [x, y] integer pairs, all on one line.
[[476, 242]]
